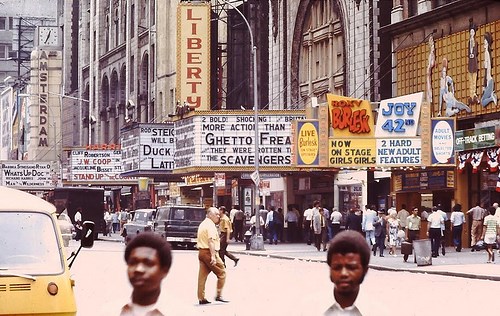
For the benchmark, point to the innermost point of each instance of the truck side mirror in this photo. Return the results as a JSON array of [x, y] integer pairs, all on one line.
[[88, 234]]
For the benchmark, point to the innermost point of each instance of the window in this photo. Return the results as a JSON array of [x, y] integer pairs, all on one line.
[[412, 8], [132, 20], [152, 53], [117, 28], [321, 56], [152, 13], [132, 69], [108, 26], [3, 23], [4, 50]]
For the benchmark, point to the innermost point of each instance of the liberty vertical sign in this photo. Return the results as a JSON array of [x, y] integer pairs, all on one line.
[[193, 57]]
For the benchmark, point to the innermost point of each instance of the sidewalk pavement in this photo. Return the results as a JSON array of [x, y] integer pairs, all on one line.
[[464, 264]]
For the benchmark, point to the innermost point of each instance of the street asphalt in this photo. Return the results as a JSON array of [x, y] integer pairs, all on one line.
[[466, 264]]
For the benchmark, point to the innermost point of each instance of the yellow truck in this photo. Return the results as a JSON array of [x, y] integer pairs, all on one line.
[[34, 270]]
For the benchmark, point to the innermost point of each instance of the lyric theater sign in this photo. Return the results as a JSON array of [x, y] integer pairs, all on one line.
[[227, 141]]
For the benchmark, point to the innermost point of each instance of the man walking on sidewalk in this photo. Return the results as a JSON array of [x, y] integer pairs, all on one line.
[[457, 220], [208, 243], [369, 217], [434, 230], [413, 224], [478, 214], [225, 236]]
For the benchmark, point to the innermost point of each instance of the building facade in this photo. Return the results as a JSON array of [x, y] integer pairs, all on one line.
[[448, 50]]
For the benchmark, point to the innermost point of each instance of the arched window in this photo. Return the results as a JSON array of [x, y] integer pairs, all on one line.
[[321, 59]]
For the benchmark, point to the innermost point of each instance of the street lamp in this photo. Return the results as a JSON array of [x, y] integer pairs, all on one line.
[[258, 241]]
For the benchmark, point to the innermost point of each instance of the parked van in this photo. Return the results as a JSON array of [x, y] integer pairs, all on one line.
[[34, 272], [179, 223]]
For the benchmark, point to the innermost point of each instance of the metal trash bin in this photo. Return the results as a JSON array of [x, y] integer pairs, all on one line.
[[423, 252]]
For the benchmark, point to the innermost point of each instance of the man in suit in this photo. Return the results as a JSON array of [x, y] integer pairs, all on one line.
[[380, 232], [369, 218]]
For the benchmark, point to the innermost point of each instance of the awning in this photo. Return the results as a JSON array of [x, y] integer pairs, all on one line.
[[125, 190]]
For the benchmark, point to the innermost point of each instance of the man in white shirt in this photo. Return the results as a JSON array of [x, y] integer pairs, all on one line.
[[292, 220], [336, 218], [443, 229], [434, 230], [306, 225], [148, 258], [457, 220], [78, 224], [253, 221]]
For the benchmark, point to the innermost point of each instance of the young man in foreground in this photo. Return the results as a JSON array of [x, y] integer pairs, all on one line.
[[348, 257], [148, 258]]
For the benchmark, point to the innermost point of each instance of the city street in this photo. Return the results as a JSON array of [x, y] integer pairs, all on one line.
[[270, 286]]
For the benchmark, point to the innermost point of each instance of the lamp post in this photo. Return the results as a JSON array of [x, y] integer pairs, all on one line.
[[258, 241]]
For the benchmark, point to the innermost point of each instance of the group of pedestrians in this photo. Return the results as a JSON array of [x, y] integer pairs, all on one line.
[[149, 259], [115, 221], [485, 229]]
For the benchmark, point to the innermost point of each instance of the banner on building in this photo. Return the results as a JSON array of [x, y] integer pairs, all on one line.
[[399, 117], [306, 150], [95, 165], [32, 175], [349, 117], [443, 141], [148, 147], [228, 140]]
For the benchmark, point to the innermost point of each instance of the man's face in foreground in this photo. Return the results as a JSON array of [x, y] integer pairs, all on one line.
[[144, 269], [346, 272]]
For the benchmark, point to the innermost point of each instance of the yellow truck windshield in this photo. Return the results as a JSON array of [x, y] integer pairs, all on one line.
[[29, 244]]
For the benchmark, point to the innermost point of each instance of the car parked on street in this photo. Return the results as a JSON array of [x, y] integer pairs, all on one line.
[[179, 224], [141, 222]]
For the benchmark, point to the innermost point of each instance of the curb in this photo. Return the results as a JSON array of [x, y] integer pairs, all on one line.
[[383, 268], [443, 273], [372, 266]]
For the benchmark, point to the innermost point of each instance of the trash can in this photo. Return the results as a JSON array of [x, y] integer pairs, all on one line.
[[423, 252], [248, 235]]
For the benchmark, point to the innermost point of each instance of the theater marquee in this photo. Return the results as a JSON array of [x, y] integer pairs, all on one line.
[[227, 141]]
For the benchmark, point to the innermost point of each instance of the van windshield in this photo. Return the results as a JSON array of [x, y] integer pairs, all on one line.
[[29, 244]]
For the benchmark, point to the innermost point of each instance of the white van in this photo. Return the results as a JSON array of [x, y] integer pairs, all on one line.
[[34, 273]]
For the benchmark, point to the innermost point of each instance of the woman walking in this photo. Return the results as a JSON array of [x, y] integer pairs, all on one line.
[[490, 232]]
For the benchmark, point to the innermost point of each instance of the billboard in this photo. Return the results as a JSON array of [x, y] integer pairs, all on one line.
[[31, 175], [95, 165], [148, 147], [228, 140]]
